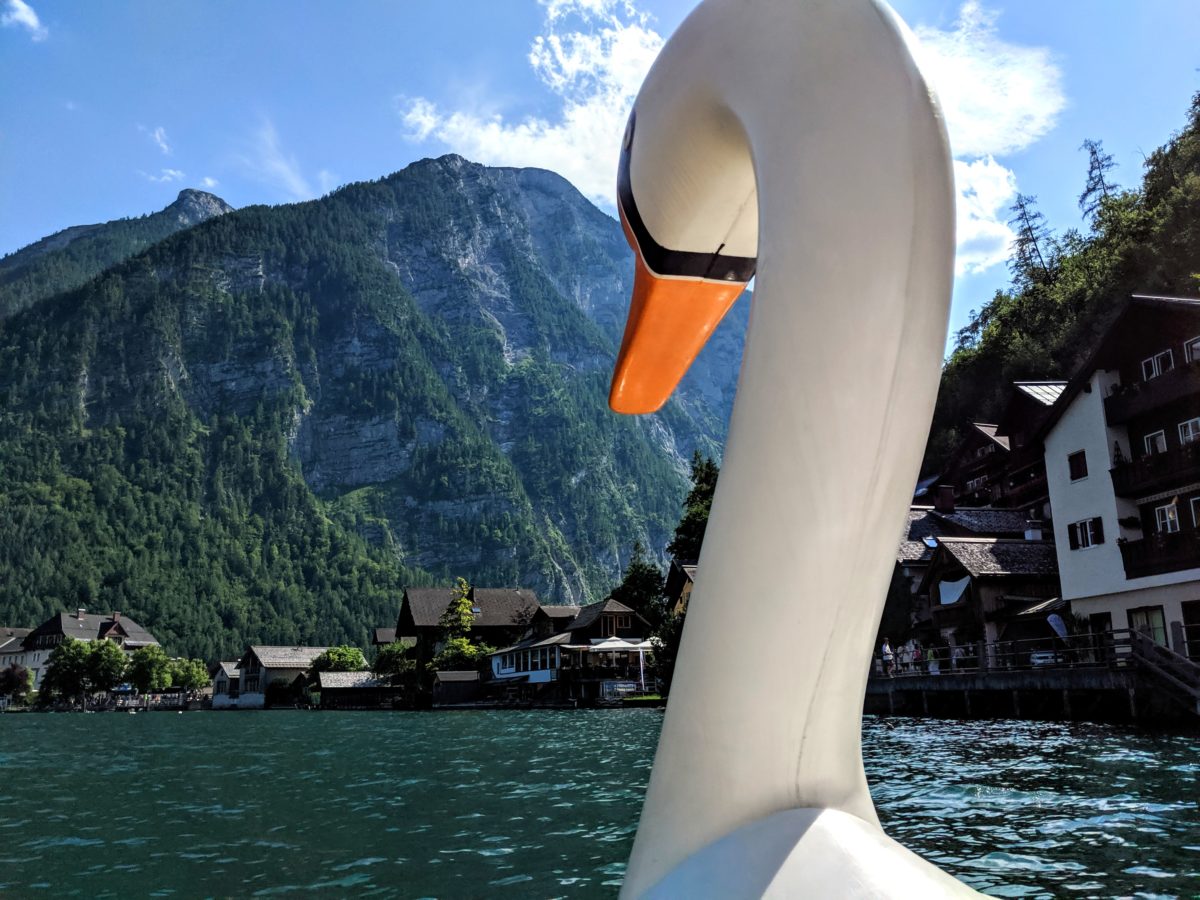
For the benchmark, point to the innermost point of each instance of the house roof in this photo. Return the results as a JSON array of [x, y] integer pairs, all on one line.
[[921, 524], [556, 611], [12, 639], [988, 430], [498, 607], [273, 657], [350, 680], [94, 626], [1001, 557], [563, 637], [384, 635], [454, 675], [230, 668], [1044, 392], [590, 613], [986, 521]]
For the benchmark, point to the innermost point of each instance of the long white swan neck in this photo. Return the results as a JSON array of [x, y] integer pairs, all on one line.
[[838, 381]]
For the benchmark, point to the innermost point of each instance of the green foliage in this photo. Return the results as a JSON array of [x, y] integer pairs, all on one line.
[[16, 682], [66, 674], [395, 659], [665, 638], [1066, 290], [460, 653], [459, 617], [149, 669], [340, 659], [189, 674], [106, 665], [689, 534], [642, 585]]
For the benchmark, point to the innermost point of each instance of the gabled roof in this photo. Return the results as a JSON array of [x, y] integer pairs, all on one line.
[[94, 626], [384, 636], [427, 605], [1000, 557], [988, 430], [350, 680], [1044, 392], [456, 675], [563, 638], [13, 639], [230, 668], [555, 611], [986, 521], [274, 657], [921, 524], [498, 607], [590, 613]]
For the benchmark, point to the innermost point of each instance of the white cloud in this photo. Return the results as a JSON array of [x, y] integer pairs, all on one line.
[[209, 182], [159, 136], [594, 67], [267, 162], [166, 175], [998, 98], [18, 13]]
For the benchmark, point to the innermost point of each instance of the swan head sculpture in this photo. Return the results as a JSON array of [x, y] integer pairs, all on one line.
[[794, 141]]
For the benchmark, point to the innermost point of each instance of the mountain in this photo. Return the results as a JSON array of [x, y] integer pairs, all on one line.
[[262, 426], [70, 257]]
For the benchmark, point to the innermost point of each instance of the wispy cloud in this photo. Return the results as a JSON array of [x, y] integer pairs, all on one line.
[[592, 55], [159, 136], [19, 14], [165, 175], [209, 182], [268, 162], [999, 98]]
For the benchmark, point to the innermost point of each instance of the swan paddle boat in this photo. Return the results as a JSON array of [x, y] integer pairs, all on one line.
[[796, 142]]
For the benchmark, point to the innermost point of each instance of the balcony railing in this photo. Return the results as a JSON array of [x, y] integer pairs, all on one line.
[[1157, 472], [1161, 553], [1146, 396]]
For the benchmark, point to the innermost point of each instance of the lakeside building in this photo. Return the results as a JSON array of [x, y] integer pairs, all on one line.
[[977, 463], [501, 616], [600, 654], [262, 666], [681, 578], [81, 625], [355, 690], [226, 684], [1122, 452]]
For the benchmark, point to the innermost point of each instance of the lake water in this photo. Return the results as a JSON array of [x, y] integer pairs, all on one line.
[[542, 804]]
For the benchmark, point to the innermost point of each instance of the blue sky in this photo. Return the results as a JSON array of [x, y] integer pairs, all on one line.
[[108, 109]]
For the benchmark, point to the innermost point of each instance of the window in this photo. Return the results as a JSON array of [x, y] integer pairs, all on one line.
[[624, 621], [1077, 464], [1155, 365], [1166, 518], [1149, 620], [1196, 512], [1191, 350], [1189, 431], [1085, 533], [1155, 442], [976, 483]]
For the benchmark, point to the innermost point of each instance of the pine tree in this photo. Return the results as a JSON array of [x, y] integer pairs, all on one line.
[[642, 584], [1030, 252], [689, 534], [1098, 188]]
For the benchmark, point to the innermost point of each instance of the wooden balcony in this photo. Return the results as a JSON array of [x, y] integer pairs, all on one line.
[[1161, 553], [1146, 396], [1157, 472]]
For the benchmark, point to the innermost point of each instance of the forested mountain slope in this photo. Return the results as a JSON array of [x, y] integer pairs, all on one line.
[[260, 427], [1067, 288]]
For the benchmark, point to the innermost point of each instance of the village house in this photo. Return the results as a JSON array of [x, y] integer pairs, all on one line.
[[82, 626], [976, 465], [355, 690], [1022, 483], [501, 616], [600, 654], [262, 666], [226, 682], [1122, 454], [681, 578]]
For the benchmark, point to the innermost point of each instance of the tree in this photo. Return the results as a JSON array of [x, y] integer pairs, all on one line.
[[460, 653], [149, 669], [459, 617], [1097, 188], [189, 674], [67, 671], [641, 585], [340, 659], [1030, 250], [395, 659], [689, 534], [17, 682], [106, 665], [665, 638]]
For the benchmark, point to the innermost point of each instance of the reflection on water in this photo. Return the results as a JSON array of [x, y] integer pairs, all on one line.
[[541, 804]]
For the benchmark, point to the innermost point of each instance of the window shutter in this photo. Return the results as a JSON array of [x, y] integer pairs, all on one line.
[[1097, 530], [1073, 535]]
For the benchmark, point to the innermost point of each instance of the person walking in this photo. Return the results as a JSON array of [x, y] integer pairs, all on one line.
[[889, 658]]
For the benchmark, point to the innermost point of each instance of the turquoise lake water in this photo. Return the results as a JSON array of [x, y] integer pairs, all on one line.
[[542, 804]]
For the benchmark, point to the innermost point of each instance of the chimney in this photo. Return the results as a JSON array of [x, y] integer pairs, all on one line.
[[1033, 529], [945, 499], [116, 616], [79, 613]]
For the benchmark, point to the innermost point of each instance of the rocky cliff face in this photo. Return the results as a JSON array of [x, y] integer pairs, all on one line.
[[433, 351]]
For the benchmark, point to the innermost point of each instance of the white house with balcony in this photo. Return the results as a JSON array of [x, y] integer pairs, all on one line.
[[1122, 451]]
